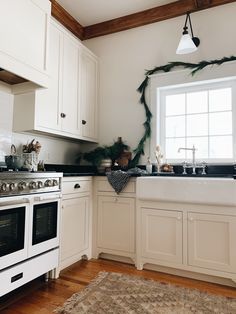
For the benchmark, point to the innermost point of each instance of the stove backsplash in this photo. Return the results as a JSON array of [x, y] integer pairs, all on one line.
[[52, 151]]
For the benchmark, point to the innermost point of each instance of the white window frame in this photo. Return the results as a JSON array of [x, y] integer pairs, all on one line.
[[223, 76]]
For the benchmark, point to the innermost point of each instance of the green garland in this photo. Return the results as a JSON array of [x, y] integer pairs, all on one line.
[[195, 67]]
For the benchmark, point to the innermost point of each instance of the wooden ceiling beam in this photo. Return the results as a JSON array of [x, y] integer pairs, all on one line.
[[153, 15], [62, 16], [157, 14]]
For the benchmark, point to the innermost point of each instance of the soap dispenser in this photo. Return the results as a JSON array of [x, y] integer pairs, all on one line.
[[149, 166]]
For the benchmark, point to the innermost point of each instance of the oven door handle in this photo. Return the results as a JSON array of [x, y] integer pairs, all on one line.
[[46, 198], [14, 203]]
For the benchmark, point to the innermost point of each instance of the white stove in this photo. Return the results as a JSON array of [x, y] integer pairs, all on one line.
[[30, 206]]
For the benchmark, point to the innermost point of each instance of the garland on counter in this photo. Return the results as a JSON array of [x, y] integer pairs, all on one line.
[[195, 67]]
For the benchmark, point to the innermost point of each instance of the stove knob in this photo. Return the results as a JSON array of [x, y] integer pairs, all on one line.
[[12, 186], [48, 183], [3, 187], [32, 185], [21, 185], [54, 182], [40, 184]]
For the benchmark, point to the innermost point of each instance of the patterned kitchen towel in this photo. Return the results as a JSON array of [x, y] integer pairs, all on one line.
[[118, 179], [137, 171]]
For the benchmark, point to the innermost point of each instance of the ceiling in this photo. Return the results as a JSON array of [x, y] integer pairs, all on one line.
[[88, 12]]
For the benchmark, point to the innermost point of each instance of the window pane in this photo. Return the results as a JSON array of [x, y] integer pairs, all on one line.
[[220, 123], [201, 145], [175, 126], [197, 102], [220, 99], [221, 147], [172, 146], [175, 104], [197, 125]]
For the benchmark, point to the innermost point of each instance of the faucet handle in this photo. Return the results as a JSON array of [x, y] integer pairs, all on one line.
[[203, 165], [184, 167]]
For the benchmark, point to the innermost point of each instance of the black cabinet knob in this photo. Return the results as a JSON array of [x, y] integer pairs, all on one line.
[[84, 122], [77, 186], [63, 115]]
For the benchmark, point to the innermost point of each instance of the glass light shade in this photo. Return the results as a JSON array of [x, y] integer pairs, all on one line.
[[186, 45]]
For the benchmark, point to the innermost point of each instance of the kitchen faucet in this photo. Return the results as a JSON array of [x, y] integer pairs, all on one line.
[[193, 149]]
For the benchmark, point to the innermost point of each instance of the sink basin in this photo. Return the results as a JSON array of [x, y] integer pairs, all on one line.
[[218, 191]]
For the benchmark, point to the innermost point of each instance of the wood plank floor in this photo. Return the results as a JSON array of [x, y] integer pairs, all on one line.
[[39, 297]]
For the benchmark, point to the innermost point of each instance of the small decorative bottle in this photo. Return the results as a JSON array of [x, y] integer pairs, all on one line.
[[149, 166], [159, 157]]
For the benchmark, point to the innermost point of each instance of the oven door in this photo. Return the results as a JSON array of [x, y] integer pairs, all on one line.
[[45, 216], [14, 225]]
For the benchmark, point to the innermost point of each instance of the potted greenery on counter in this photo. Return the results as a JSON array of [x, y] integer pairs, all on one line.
[[105, 156]]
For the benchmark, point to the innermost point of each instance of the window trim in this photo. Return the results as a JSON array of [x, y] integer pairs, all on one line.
[[219, 76]]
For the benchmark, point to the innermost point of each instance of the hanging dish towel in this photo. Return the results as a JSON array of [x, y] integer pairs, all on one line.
[[118, 179]]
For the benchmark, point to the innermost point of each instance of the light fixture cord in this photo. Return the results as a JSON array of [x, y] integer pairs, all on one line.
[[186, 21], [190, 23]]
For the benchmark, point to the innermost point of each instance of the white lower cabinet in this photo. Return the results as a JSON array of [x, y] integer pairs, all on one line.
[[162, 235], [75, 215], [75, 221], [212, 241], [195, 239], [114, 222], [188, 237]]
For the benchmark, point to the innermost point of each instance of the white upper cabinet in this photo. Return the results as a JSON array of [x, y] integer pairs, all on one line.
[[70, 84], [71, 98], [57, 107], [48, 102], [88, 94], [24, 27]]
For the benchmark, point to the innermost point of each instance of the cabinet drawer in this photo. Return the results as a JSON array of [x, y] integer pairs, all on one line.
[[22, 273], [76, 187], [104, 186]]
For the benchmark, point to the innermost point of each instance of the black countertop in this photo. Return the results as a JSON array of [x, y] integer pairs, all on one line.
[[213, 171], [78, 174]]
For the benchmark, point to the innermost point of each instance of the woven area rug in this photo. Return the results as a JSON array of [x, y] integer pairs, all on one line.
[[114, 293]]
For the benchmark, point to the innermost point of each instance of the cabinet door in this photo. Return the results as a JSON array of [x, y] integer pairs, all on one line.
[[116, 223], [48, 101], [161, 235], [70, 84], [74, 226], [88, 95], [212, 241], [24, 38]]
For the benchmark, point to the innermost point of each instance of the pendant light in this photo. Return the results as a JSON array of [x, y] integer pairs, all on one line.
[[187, 44]]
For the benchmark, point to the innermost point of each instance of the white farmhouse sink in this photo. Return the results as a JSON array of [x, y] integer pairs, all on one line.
[[218, 191]]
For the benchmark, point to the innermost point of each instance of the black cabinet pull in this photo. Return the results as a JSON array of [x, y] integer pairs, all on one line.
[[84, 122], [63, 115], [77, 186], [16, 277]]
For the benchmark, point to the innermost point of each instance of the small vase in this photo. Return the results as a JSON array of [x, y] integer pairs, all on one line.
[[30, 161], [158, 168], [104, 165]]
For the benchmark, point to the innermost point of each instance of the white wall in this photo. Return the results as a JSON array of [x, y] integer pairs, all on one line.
[[124, 57], [53, 150]]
